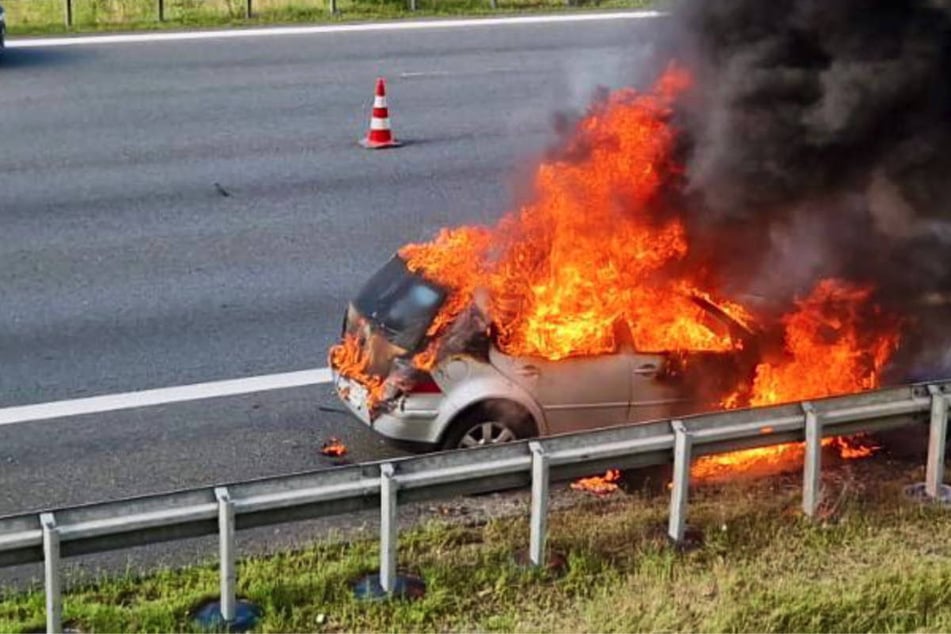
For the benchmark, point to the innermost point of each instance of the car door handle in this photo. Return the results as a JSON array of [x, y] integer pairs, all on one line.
[[529, 370], [647, 369]]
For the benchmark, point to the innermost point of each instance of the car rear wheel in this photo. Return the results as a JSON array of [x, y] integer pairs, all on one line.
[[490, 424]]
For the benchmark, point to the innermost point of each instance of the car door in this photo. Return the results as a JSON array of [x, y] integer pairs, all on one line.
[[653, 396], [576, 393]]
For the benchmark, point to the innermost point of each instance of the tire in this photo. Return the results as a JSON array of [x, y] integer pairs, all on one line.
[[492, 423]]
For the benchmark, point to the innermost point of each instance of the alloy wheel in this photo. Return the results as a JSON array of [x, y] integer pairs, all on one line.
[[487, 433]]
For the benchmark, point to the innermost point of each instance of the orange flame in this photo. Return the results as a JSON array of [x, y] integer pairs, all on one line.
[[599, 485], [350, 360], [599, 246], [456, 260], [835, 343], [833, 348], [591, 250], [334, 448]]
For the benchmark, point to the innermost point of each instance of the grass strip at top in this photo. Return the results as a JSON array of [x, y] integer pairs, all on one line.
[[873, 562], [29, 17]]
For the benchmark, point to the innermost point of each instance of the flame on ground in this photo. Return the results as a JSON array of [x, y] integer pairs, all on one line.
[[599, 485], [766, 459], [334, 448]]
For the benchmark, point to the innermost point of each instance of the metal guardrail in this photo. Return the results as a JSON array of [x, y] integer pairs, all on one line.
[[50, 536]]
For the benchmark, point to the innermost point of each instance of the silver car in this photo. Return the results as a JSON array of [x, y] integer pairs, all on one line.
[[478, 395]]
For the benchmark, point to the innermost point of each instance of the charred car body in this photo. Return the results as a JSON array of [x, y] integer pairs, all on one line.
[[475, 394]]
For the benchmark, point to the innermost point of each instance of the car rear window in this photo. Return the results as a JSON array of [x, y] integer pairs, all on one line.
[[400, 303]]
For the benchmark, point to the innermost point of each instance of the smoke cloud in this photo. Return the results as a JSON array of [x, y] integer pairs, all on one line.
[[818, 143], [804, 98]]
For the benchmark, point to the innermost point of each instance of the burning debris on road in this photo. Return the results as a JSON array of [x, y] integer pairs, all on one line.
[[334, 448], [768, 169], [599, 485]]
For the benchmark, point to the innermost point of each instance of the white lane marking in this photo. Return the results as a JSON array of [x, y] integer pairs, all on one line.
[[162, 396], [444, 73], [135, 38], [430, 73]]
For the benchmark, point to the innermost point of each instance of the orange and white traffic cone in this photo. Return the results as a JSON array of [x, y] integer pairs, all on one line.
[[380, 136]]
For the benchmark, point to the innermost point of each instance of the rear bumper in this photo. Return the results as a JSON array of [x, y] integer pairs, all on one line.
[[408, 426]]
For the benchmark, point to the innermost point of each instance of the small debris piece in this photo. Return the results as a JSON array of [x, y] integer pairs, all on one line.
[[334, 448]]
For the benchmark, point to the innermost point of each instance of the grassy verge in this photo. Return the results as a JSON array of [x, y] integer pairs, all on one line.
[[875, 562], [39, 17]]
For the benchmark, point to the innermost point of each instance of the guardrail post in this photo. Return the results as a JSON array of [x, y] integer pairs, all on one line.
[[412, 5], [68, 13], [51, 574], [677, 524], [248, 10], [388, 527], [937, 437], [539, 517], [812, 463], [226, 552]]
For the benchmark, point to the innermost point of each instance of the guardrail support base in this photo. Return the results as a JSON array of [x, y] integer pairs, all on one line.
[[693, 538], [208, 616], [556, 563], [919, 493], [409, 587]]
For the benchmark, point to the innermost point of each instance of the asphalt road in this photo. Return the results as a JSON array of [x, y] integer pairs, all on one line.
[[123, 267]]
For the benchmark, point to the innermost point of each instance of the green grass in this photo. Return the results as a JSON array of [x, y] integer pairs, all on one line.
[[875, 562], [36, 17]]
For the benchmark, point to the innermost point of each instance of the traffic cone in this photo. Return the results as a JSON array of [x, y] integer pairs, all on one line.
[[380, 135]]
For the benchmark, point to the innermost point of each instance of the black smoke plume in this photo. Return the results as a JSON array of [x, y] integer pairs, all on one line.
[[818, 144]]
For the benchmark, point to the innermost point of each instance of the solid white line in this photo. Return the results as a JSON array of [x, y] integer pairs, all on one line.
[[134, 38], [430, 73], [162, 396]]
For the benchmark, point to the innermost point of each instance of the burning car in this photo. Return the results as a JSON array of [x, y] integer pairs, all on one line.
[[588, 305], [473, 393]]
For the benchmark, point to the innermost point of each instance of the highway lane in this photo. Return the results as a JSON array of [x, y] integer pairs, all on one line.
[[122, 267]]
